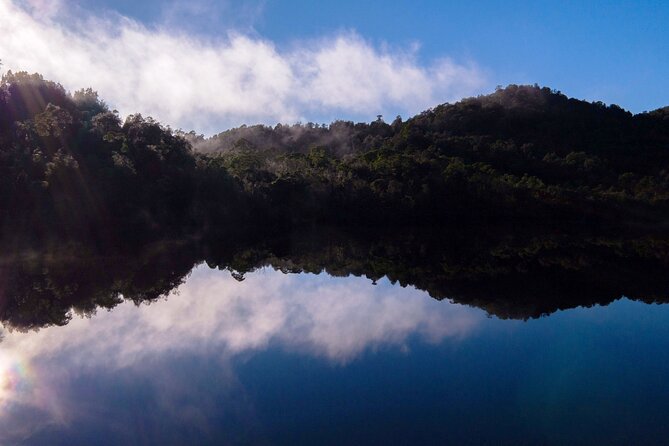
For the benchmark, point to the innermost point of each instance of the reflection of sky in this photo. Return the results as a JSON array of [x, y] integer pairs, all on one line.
[[301, 359], [214, 316]]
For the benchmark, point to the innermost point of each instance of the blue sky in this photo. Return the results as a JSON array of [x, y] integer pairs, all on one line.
[[600, 50], [617, 52]]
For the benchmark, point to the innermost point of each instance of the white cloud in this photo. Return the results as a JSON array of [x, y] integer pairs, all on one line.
[[191, 82]]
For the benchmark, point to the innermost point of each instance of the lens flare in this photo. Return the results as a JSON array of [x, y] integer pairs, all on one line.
[[14, 379]]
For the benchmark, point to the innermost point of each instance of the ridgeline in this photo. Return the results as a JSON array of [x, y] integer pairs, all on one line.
[[71, 169]]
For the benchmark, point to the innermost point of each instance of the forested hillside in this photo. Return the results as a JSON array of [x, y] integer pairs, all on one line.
[[70, 168]]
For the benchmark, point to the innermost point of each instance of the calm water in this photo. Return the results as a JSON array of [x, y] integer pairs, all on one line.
[[315, 359]]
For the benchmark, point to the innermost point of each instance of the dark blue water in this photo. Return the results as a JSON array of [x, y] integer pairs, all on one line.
[[312, 359]]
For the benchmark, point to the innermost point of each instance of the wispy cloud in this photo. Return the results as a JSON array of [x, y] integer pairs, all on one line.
[[190, 81], [210, 16]]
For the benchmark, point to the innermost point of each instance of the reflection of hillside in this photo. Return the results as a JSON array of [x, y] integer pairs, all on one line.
[[38, 290], [510, 274]]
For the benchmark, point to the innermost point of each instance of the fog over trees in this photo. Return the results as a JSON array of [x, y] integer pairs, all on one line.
[[71, 169]]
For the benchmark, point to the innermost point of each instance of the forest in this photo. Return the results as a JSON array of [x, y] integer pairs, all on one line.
[[520, 202], [72, 169]]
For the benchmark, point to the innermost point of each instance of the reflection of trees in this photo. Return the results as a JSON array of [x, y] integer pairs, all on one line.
[[511, 274], [516, 274], [40, 290]]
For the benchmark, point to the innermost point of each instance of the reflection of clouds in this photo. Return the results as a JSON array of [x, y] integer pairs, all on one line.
[[338, 321], [336, 318], [328, 317], [332, 317]]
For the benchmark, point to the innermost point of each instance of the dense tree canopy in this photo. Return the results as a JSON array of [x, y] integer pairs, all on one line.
[[72, 169], [521, 152]]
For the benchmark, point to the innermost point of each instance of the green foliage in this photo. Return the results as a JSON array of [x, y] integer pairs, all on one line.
[[71, 167]]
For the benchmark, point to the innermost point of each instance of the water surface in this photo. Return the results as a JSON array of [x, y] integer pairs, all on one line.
[[316, 359]]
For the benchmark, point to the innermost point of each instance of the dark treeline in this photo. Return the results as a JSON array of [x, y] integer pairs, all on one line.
[[523, 152], [508, 272], [71, 169], [521, 202]]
